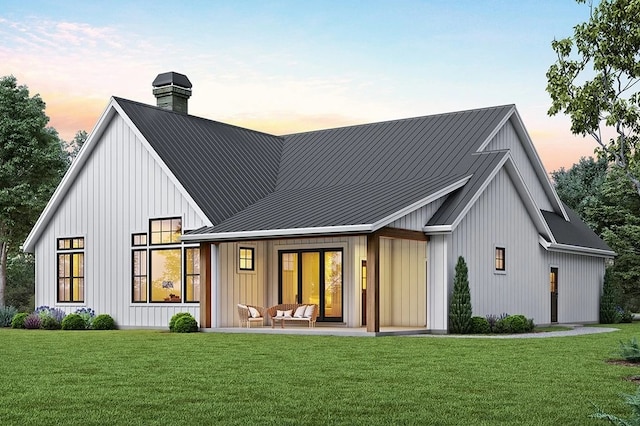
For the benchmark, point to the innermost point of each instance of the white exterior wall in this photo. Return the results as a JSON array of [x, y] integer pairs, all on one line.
[[439, 282], [507, 138], [115, 194], [499, 218]]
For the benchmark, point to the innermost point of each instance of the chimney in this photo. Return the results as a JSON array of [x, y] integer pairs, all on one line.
[[172, 91]]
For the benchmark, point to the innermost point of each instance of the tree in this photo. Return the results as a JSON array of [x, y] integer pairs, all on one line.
[[593, 77], [608, 300], [460, 306], [74, 146], [32, 162], [580, 186]]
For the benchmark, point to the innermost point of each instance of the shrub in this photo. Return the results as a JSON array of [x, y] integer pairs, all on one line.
[[516, 323], [626, 315], [6, 315], [55, 313], [530, 325], [633, 401], [104, 322], [630, 351], [32, 321], [87, 315], [73, 322], [49, 323], [18, 320], [608, 312], [460, 307], [174, 318], [185, 324], [480, 325]]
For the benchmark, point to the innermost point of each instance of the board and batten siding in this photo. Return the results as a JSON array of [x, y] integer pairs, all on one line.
[[118, 190], [500, 219], [439, 282], [507, 138]]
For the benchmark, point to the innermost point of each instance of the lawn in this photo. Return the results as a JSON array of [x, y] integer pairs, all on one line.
[[153, 377]]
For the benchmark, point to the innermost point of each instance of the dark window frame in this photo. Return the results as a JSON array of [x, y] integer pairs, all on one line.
[[251, 258], [144, 276], [187, 275], [151, 232], [69, 248]]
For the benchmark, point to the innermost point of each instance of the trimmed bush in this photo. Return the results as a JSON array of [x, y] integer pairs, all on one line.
[[32, 322], [174, 318], [609, 314], [460, 307], [6, 315], [73, 322], [185, 324], [104, 322], [18, 320], [630, 351], [49, 323], [515, 324], [480, 325]]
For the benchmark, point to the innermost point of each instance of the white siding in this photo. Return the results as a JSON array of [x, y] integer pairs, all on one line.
[[119, 188], [416, 220], [499, 218], [507, 138], [438, 282]]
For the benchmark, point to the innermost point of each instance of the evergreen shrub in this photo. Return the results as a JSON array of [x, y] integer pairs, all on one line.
[[609, 314], [185, 324], [18, 320], [49, 323], [480, 325], [73, 322], [460, 306], [104, 322], [174, 318]]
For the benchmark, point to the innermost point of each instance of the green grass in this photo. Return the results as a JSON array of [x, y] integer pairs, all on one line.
[[152, 377], [551, 328]]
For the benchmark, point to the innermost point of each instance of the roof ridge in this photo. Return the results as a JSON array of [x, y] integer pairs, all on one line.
[[397, 120], [196, 117]]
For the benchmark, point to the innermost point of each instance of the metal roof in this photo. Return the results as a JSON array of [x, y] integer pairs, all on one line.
[[224, 168], [172, 78], [573, 233]]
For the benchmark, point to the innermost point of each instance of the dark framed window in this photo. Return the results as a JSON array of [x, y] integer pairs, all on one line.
[[165, 231], [500, 259], [70, 256], [139, 263], [246, 258], [163, 270], [192, 274], [138, 240]]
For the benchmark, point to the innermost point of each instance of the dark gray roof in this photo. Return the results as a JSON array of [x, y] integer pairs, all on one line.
[[573, 233], [224, 168], [484, 164], [169, 78]]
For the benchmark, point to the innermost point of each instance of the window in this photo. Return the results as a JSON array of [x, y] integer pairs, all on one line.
[[500, 259], [166, 231], [70, 269], [246, 258], [163, 270]]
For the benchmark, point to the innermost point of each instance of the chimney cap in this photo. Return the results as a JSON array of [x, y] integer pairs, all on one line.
[[172, 78]]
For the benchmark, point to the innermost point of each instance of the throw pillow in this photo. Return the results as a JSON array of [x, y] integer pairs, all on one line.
[[279, 313], [254, 312], [308, 312], [241, 306], [288, 313], [300, 312]]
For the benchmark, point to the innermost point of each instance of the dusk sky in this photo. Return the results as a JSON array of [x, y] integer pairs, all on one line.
[[289, 66]]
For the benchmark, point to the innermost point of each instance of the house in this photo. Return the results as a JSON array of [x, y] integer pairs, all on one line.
[[164, 212]]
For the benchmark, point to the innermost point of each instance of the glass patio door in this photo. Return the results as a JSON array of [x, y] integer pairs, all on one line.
[[313, 277]]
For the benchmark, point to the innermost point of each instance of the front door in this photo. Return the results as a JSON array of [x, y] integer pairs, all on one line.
[[312, 277], [553, 278]]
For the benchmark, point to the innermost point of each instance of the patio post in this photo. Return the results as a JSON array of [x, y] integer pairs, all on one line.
[[373, 282], [205, 285]]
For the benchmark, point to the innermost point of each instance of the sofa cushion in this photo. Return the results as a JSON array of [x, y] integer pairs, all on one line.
[[279, 313], [288, 313], [254, 312], [308, 311], [299, 312]]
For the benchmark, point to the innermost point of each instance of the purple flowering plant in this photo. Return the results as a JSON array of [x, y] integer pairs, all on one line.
[[32, 321], [87, 315], [46, 311]]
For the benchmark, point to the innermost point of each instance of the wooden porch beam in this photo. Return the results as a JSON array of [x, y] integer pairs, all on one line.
[[373, 282], [205, 285], [404, 234]]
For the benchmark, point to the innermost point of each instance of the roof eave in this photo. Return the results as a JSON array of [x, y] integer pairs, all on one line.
[[277, 233], [571, 249]]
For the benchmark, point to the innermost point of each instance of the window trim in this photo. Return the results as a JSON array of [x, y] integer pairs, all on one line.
[[496, 270], [186, 275], [150, 232], [71, 251], [134, 276], [150, 275], [252, 250]]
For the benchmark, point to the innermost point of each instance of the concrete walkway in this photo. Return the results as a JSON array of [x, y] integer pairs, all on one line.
[[577, 330]]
